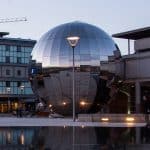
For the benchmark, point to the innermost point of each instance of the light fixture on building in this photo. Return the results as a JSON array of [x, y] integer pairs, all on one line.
[[8, 89], [82, 103], [105, 119], [50, 105], [130, 119], [64, 103], [22, 88], [16, 105]]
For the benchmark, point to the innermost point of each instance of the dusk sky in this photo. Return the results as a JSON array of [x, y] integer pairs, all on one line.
[[113, 16]]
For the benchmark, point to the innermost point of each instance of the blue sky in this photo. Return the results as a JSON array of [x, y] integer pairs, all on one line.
[[113, 16]]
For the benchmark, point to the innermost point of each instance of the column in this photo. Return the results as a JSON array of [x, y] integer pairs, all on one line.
[[137, 96], [128, 46], [137, 135], [137, 105]]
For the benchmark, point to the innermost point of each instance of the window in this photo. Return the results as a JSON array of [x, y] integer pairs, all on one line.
[[7, 59], [7, 72], [19, 72], [7, 83], [18, 84], [2, 47], [18, 48], [18, 60], [7, 48]]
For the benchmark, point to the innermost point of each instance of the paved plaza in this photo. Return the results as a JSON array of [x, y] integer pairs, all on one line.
[[13, 122]]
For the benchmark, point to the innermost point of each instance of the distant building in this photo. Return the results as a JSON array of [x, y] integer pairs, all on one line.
[[15, 88], [134, 70]]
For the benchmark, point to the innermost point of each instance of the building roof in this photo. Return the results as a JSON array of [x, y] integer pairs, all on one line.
[[134, 34], [17, 39], [2, 38], [3, 34]]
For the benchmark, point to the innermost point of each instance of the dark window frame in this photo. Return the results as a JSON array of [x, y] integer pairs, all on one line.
[[7, 71], [19, 60], [7, 47], [18, 48], [19, 72], [19, 83], [7, 59], [7, 83]]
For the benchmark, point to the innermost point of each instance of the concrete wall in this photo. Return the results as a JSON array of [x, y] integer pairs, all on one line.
[[142, 44], [134, 66], [137, 68], [13, 72]]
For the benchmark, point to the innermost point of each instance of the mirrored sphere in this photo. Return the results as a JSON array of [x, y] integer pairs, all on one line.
[[53, 49], [56, 56]]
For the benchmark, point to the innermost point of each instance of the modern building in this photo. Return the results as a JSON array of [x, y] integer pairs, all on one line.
[[133, 69], [15, 88]]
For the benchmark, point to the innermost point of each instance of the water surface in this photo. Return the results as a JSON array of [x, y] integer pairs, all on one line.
[[74, 138]]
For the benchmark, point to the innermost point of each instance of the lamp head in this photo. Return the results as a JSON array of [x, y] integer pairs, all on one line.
[[73, 40]]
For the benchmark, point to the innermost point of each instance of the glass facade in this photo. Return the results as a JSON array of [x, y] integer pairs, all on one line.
[[15, 87], [15, 54], [92, 51]]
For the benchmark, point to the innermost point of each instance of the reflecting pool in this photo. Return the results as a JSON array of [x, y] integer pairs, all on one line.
[[74, 138]]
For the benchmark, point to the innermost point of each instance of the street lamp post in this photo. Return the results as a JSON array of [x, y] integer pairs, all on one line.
[[8, 92], [73, 40], [22, 90]]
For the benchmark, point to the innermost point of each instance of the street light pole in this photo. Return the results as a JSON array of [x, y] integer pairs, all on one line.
[[73, 40], [73, 86], [22, 89], [8, 92]]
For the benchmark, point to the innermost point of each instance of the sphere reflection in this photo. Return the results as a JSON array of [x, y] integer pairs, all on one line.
[[94, 46], [55, 54]]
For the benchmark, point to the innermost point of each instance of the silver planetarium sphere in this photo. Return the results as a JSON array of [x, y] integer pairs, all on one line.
[[53, 50], [55, 54]]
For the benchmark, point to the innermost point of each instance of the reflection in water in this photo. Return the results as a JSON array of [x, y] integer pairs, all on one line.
[[71, 138], [22, 138], [63, 138], [8, 138], [16, 138]]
